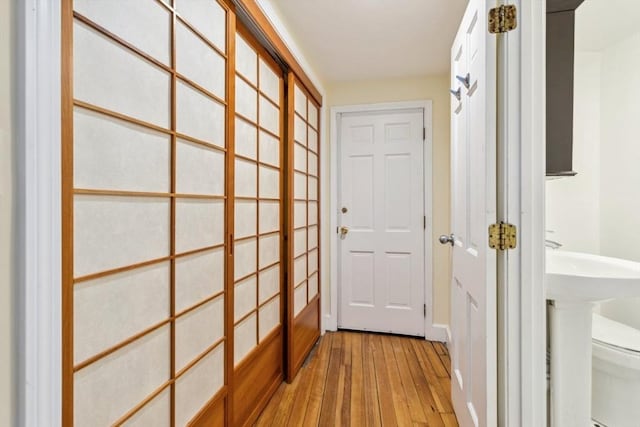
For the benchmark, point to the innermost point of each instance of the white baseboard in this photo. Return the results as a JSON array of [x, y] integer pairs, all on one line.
[[329, 323], [438, 332]]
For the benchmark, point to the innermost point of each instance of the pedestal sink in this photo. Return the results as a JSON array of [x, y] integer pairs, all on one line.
[[575, 281]]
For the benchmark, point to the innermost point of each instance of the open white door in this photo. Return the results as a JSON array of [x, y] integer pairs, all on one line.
[[382, 217], [473, 322]]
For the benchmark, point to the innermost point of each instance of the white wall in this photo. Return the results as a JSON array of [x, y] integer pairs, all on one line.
[[620, 165], [7, 394], [573, 203], [435, 88], [598, 210], [620, 153]]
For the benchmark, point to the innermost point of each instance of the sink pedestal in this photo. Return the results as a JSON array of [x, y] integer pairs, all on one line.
[[575, 281], [570, 323]]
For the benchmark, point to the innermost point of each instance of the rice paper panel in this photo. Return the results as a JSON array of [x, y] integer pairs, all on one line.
[[245, 297], [198, 385], [199, 169], [269, 250], [129, 84], [269, 317], [110, 309], [269, 149], [245, 337], [140, 367], [246, 218], [198, 276], [246, 60], [198, 62], [112, 154], [199, 116], [245, 257], [208, 18], [269, 216], [112, 231], [156, 413], [199, 224], [268, 283], [197, 330]]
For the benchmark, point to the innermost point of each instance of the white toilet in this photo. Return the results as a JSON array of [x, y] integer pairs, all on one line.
[[616, 373]]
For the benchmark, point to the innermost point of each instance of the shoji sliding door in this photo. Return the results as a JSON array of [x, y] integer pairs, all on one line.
[[178, 190], [303, 285], [258, 225], [144, 188]]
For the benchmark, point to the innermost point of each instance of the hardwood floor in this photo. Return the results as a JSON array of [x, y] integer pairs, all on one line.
[[361, 379]]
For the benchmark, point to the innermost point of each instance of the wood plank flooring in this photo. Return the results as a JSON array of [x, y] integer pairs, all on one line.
[[362, 379]]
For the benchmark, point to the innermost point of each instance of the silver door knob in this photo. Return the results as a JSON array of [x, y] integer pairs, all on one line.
[[450, 239]]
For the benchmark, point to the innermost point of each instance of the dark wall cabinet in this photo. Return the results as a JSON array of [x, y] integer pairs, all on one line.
[[560, 65]]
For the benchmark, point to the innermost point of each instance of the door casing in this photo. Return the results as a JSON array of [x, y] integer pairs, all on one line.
[[522, 384]]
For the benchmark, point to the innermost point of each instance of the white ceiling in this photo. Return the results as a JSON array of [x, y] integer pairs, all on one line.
[[373, 39], [600, 23]]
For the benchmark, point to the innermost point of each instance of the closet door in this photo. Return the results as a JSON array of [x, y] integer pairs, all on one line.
[[144, 194], [303, 287], [258, 237]]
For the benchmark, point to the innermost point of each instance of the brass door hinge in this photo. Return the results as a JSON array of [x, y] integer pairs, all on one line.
[[502, 236], [502, 19]]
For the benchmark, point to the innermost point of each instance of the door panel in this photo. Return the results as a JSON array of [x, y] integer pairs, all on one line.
[[382, 193], [258, 229], [144, 183], [303, 310], [473, 346], [174, 216]]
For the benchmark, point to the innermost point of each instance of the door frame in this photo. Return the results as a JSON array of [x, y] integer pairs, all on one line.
[[38, 240], [432, 332], [521, 171]]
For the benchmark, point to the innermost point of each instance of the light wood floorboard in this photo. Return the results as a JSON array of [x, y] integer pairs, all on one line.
[[362, 379]]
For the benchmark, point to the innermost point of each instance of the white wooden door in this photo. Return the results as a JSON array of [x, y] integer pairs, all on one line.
[[381, 205], [473, 315]]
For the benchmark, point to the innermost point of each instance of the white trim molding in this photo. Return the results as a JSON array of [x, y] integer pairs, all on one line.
[[522, 309], [325, 169], [432, 331], [39, 212], [440, 333]]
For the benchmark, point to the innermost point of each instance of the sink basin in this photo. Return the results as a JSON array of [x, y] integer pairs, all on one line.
[[573, 276]]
